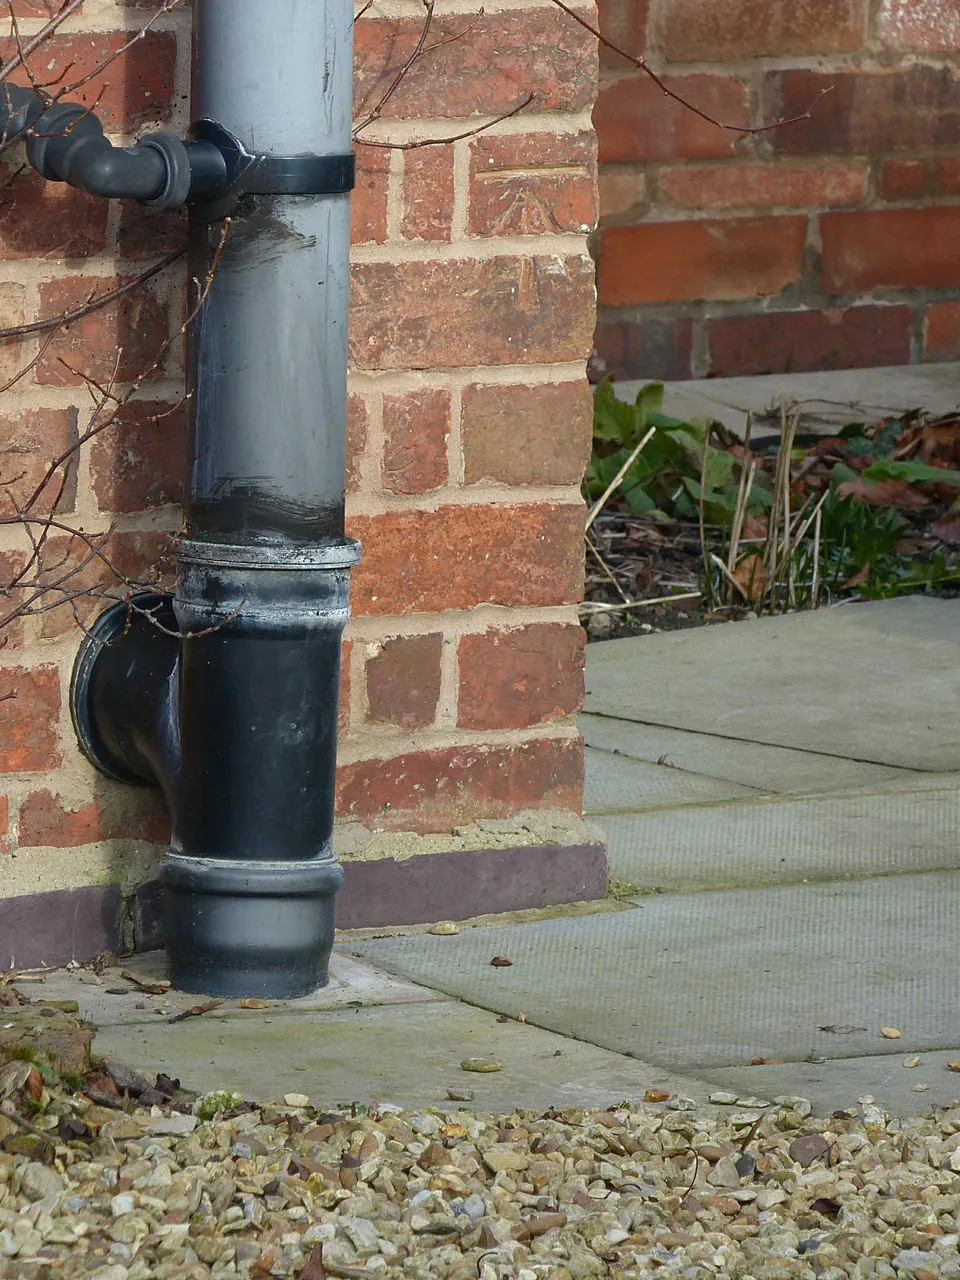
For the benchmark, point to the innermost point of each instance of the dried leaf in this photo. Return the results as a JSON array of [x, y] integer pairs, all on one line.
[[313, 1268], [751, 577], [947, 528], [953, 1066], [765, 1062], [829, 1208], [656, 1095], [891, 1033], [195, 1011], [812, 1146], [884, 493], [151, 988], [14, 1076], [254, 1003], [33, 1085], [859, 578], [841, 1029], [501, 962]]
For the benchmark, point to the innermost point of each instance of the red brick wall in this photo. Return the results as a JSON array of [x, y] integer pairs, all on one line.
[[472, 318], [829, 243]]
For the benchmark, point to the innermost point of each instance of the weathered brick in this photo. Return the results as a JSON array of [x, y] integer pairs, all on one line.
[[721, 30], [948, 175], [12, 350], [437, 790], [521, 676], [763, 186], [29, 719], [624, 24], [523, 435], [135, 88], [893, 248], [140, 461], [941, 331], [119, 813], [31, 441], [622, 191], [524, 555], [427, 193], [864, 111], [653, 347], [504, 310], [40, 219], [143, 233], [919, 26], [634, 121], [137, 323], [358, 424], [717, 259], [498, 61], [368, 203], [532, 184], [12, 598], [904, 179], [403, 681], [416, 426], [809, 341]]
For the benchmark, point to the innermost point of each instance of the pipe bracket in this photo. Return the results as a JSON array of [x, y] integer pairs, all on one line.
[[252, 174]]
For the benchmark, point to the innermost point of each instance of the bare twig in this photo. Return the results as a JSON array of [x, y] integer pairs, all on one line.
[[601, 501]]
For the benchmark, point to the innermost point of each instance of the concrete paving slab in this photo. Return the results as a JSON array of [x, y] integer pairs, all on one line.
[[617, 782], [722, 845], [406, 1054], [836, 1084], [874, 682], [827, 401], [108, 1000], [778, 770], [696, 982]]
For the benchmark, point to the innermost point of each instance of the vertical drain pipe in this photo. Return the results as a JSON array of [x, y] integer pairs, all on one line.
[[246, 748]]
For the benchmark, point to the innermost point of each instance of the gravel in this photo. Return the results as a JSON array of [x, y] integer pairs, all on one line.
[[279, 1190]]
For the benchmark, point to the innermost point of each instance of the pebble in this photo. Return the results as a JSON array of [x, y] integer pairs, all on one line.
[[481, 1064], [721, 1098], [296, 1100], [458, 1194], [445, 928], [460, 1095]]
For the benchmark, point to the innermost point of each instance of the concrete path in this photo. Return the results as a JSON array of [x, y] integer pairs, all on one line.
[[827, 401], [782, 806]]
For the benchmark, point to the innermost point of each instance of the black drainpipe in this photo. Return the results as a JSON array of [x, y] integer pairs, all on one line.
[[225, 694]]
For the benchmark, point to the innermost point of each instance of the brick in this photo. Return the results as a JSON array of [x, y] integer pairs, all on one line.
[[12, 350], [809, 341], [358, 425], [496, 63], [12, 565], [137, 323], [948, 175], [368, 202], [40, 219], [427, 193], [136, 88], [403, 681], [941, 331], [532, 184], [139, 813], [717, 259], [145, 234], [904, 179], [522, 676], [864, 111], [140, 461], [514, 556], [722, 30], [745, 186], [443, 314], [624, 24], [652, 347], [31, 441], [919, 26], [622, 192], [416, 426], [521, 434], [30, 719], [4, 824], [634, 121], [892, 248], [430, 791]]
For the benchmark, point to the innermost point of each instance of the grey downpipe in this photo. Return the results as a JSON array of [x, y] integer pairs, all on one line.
[[226, 695]]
